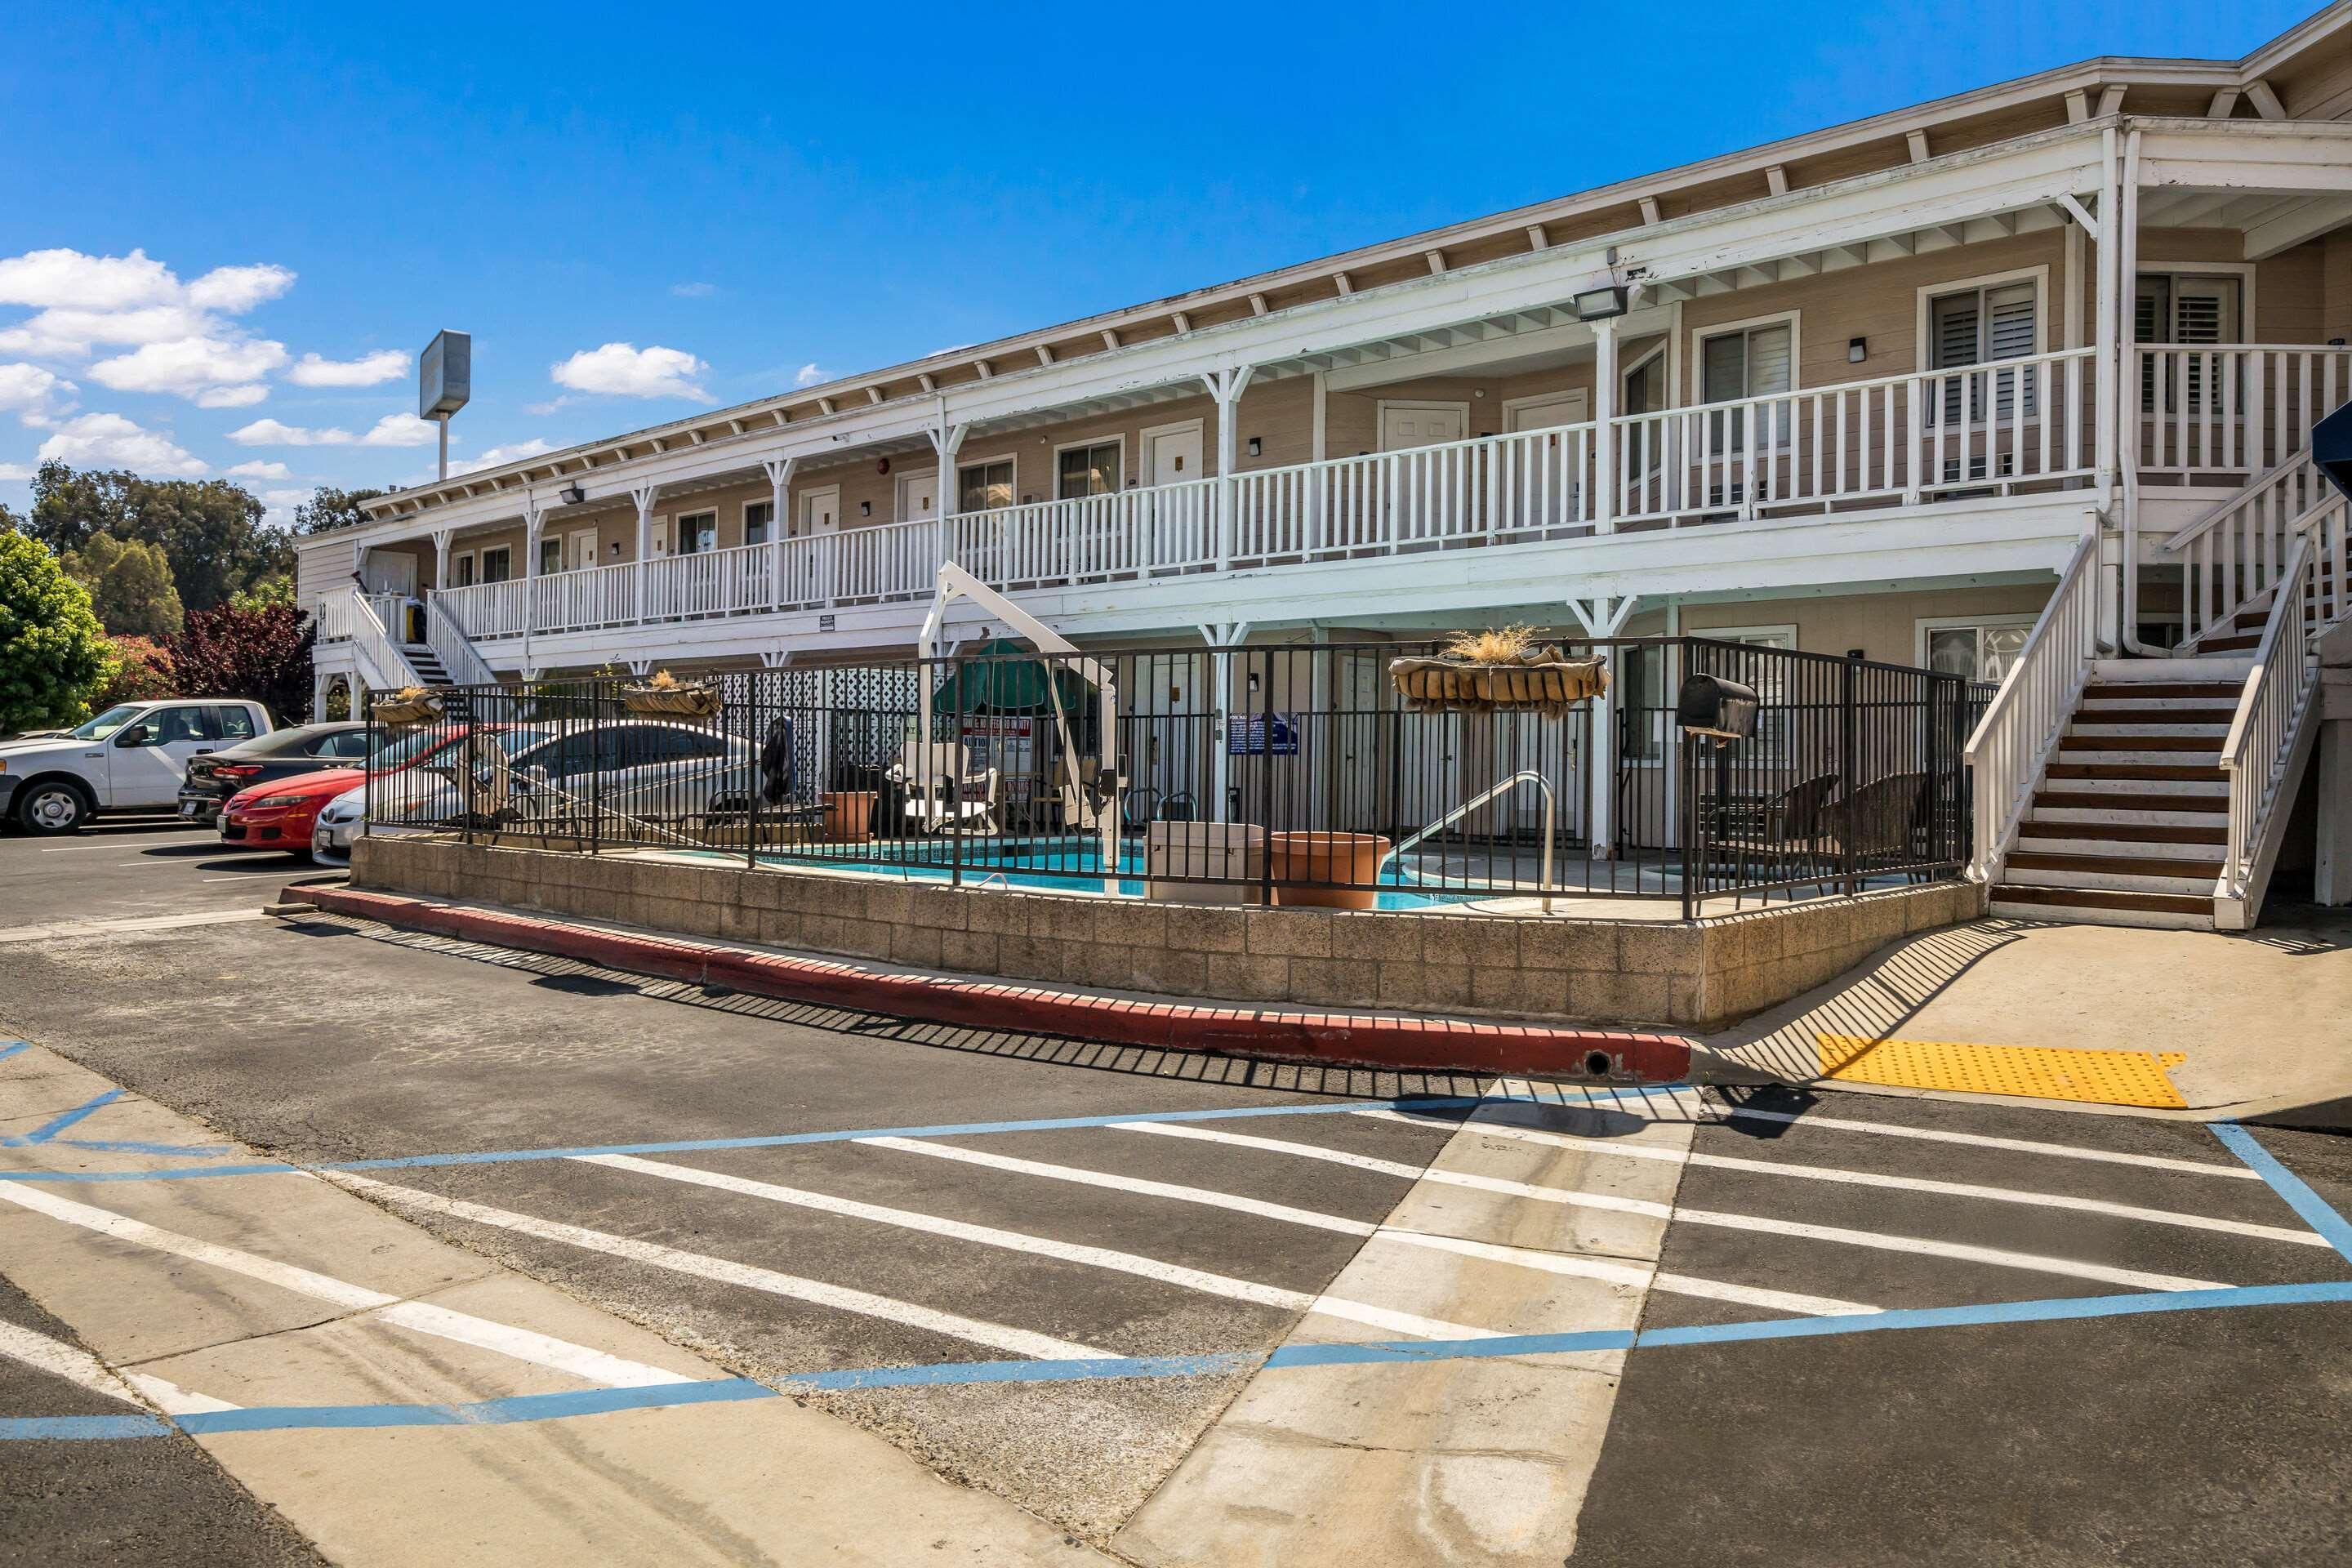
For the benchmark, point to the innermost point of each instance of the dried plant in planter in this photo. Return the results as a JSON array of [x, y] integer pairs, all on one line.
[[409, 705], [1505, 671], [665, 693]]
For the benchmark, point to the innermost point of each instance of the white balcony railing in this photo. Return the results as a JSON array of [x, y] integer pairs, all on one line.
[[2231, 409], [2037, 698]]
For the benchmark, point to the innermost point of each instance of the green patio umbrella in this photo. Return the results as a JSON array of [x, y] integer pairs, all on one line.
[[998, 679]]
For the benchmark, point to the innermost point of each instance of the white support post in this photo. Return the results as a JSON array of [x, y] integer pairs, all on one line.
[[643, 496], [780, 484], [441, 538], [2108, 354], [1604, 617], [1223, 638], [1225, 388], [947, 440], [534, 526], [1605, 428], [2127, 409], [318, 679]]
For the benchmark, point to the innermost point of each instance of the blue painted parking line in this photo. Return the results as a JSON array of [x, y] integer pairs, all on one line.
[[12, 1047], [49, 1130], [768, 1141], [2313, 1210], [1392, 1352]]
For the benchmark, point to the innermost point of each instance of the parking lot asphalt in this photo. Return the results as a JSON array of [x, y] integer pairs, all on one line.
[[941, 1237]]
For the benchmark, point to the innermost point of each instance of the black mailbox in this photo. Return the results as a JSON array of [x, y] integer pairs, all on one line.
[[2331, 447], [1710, 705]]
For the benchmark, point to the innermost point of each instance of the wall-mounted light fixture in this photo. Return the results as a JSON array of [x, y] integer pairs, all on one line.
[[1256, 446], [1857, 349], [573, 495], [617, 547], [1599, 304], [865, 509]]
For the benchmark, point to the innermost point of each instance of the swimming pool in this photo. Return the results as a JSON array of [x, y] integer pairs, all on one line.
[[1058, 866]]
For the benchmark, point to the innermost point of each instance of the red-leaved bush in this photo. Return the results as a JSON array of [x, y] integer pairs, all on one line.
[[262, 653]]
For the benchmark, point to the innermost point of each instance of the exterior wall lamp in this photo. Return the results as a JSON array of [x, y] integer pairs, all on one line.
[[1599, 304], [571, 494], [1857, 349]]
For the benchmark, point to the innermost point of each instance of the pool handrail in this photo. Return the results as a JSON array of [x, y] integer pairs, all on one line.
[[1525, 775]]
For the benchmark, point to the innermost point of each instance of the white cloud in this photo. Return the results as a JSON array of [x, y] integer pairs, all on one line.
[[272, 433], [69, 278], [82, 301], [694, 290], [513, 453], [809, 375], [191, 365], [32, 393], [63, 334], [625, 370], [402, 430], [237, 290], [368, 370], [108, 440], [231, 397], [15, 471], [260, 470]]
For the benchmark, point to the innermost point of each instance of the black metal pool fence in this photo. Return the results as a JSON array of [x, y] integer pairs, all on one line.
[[1284, 774]]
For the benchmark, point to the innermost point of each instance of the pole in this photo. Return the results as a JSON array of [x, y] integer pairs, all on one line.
[[444, 422]]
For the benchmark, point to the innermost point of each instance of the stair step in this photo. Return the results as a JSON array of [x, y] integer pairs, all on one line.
[[2099, 819], [2105, 693], [2139, 671], [2159, 718], [2102, 898], [2231, 644], [2138, 794], [2118, 772], [2093, 905], [2132, 741], [2137, 873], [2047, 834]]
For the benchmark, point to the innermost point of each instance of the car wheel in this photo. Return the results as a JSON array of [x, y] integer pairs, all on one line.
[[51, 808]]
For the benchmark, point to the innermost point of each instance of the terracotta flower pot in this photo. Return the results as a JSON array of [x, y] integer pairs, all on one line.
[[1302, 860], [849, 815]]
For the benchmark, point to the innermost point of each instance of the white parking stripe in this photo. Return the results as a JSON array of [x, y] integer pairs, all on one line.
[[719, 1270], [1625, 1150], [523, 1344], [62, 1360], [68, 929], [1675, 1284], [1175, 1274], [1879, 1241], [1275, 1145], [1282, 1212], [1635, 1274], [1986, 1141], [172, 1399]]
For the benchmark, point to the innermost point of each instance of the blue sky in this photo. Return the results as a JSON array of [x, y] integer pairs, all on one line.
[[758, 190]]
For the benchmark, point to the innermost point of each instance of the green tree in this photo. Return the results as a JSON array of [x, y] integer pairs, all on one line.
[[274, 589], [130, 585], [210, 530], [330, 509], [52, 654]]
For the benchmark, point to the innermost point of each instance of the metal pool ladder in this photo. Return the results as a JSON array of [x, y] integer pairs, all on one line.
[[1525, 775]]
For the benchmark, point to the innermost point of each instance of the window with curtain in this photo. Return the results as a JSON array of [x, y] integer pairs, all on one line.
[[550, 555], [1751, 361], [1086, 470], [699, 534], [984, 487], [757, 516], [498, 565], [1980, 327], [2188, 311], [1978, 652]]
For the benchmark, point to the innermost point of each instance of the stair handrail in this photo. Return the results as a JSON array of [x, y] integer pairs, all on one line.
[[2284, 468], [456, 651], [382, 663], [2263, 728], [2021, 725]]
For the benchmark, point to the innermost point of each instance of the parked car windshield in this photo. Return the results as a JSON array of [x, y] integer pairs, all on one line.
[[408, 748], [106, 723]]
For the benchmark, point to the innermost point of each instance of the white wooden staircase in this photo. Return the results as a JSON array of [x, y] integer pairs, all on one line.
[[2155, 792]]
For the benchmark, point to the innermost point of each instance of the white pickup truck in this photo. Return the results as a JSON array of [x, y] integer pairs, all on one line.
[[132, 757]]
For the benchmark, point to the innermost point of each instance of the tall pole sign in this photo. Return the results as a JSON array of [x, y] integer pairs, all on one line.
[[444, 380]]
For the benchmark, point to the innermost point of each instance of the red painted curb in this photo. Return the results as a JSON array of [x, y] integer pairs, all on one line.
[[1337, 1039]]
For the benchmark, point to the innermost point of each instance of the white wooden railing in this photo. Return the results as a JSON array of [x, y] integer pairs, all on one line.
[[1125, 533], [2236, 553], [2263, 731], [2036, 701], [1900, 438], [463, 665], [360, 620], [2232, 407]]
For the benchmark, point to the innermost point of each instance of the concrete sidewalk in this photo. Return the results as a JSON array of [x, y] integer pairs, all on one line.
[[333, 1332], [2264, 1017]]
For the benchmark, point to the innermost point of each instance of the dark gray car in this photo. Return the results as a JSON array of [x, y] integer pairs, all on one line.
[[281, 753]]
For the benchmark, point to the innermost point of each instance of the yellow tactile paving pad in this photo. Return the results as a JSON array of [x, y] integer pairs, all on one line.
[[2039, 1072]]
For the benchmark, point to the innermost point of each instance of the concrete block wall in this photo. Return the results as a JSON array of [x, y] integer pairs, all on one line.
[[1589, 971]]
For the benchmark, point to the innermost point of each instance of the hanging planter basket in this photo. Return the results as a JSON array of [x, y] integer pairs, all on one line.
[[411, 705], [1498, 672], [676, 698]]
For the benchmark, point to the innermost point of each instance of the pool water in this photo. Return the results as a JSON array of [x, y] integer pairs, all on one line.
[[1061, 866]]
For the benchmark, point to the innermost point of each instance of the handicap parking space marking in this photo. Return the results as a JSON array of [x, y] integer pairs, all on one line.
[[2332, 1227], [60, 1123]]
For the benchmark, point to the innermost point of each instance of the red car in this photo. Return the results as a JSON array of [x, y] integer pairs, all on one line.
[[279, 815]]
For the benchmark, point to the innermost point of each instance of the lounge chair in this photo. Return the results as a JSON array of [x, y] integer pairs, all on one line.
[[944, 795]]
